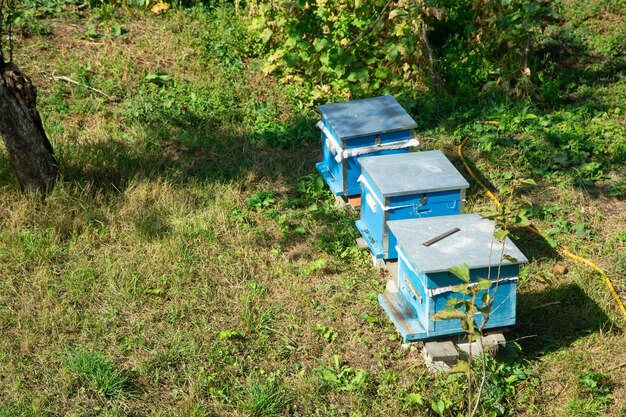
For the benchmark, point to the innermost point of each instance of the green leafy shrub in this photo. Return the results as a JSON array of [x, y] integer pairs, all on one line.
[[367, 47], [344, 47], [487, 47]]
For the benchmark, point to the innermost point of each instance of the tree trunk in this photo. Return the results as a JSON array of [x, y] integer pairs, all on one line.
[[29, 149]]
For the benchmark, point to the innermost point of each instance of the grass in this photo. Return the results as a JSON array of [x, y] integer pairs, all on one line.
[[264, 398], [96, 373], [190, 263]]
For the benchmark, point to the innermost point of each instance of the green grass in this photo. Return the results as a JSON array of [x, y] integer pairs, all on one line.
[[97, 373], [190, 262], [263, 397]]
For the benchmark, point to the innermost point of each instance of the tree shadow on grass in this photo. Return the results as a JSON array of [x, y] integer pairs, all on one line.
[[572, 85], [536, 248], [183, 155], [575, 62], [475, 189], [554, 318]]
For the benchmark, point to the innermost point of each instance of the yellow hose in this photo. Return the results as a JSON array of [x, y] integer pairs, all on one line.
[[559, 248]]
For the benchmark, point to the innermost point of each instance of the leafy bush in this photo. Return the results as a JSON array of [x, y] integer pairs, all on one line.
[[344, 47], [487, 47], [367, 47]]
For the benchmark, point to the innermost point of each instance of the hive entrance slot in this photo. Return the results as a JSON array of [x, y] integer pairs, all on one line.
[[441, 236]]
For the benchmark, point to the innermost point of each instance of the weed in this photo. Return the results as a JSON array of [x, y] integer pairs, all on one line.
[[97, 373], [90, 34], [264, 396], [448, 394], [370, 319], [414, 400], [328, 333], [597, 395], [502, 385], [257, 288], [161, 79], [342, 377], [256, 319], [316, 266], [118, 30], [311, 191], [335, 62], [597, 384], [229, 334], [262, 199]]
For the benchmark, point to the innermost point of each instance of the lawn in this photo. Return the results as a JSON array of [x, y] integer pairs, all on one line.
[[190, 262]]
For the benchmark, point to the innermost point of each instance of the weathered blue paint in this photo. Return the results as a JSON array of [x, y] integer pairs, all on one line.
[[360, 128], [415, 185], [368, 116], [425, 284]]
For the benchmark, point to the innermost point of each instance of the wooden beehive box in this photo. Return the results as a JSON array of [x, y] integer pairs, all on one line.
[[372, 126], [425, 284], [407, 186]]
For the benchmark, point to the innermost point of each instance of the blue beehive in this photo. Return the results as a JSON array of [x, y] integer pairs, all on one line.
[[425, 284], [408, 186], [372, 126]]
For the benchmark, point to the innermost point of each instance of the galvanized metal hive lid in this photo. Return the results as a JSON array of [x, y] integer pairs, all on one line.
[[413, 172], [367, 117], [473, 244]]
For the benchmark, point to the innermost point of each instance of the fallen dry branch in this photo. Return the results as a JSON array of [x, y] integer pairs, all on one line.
[[72, 81]]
